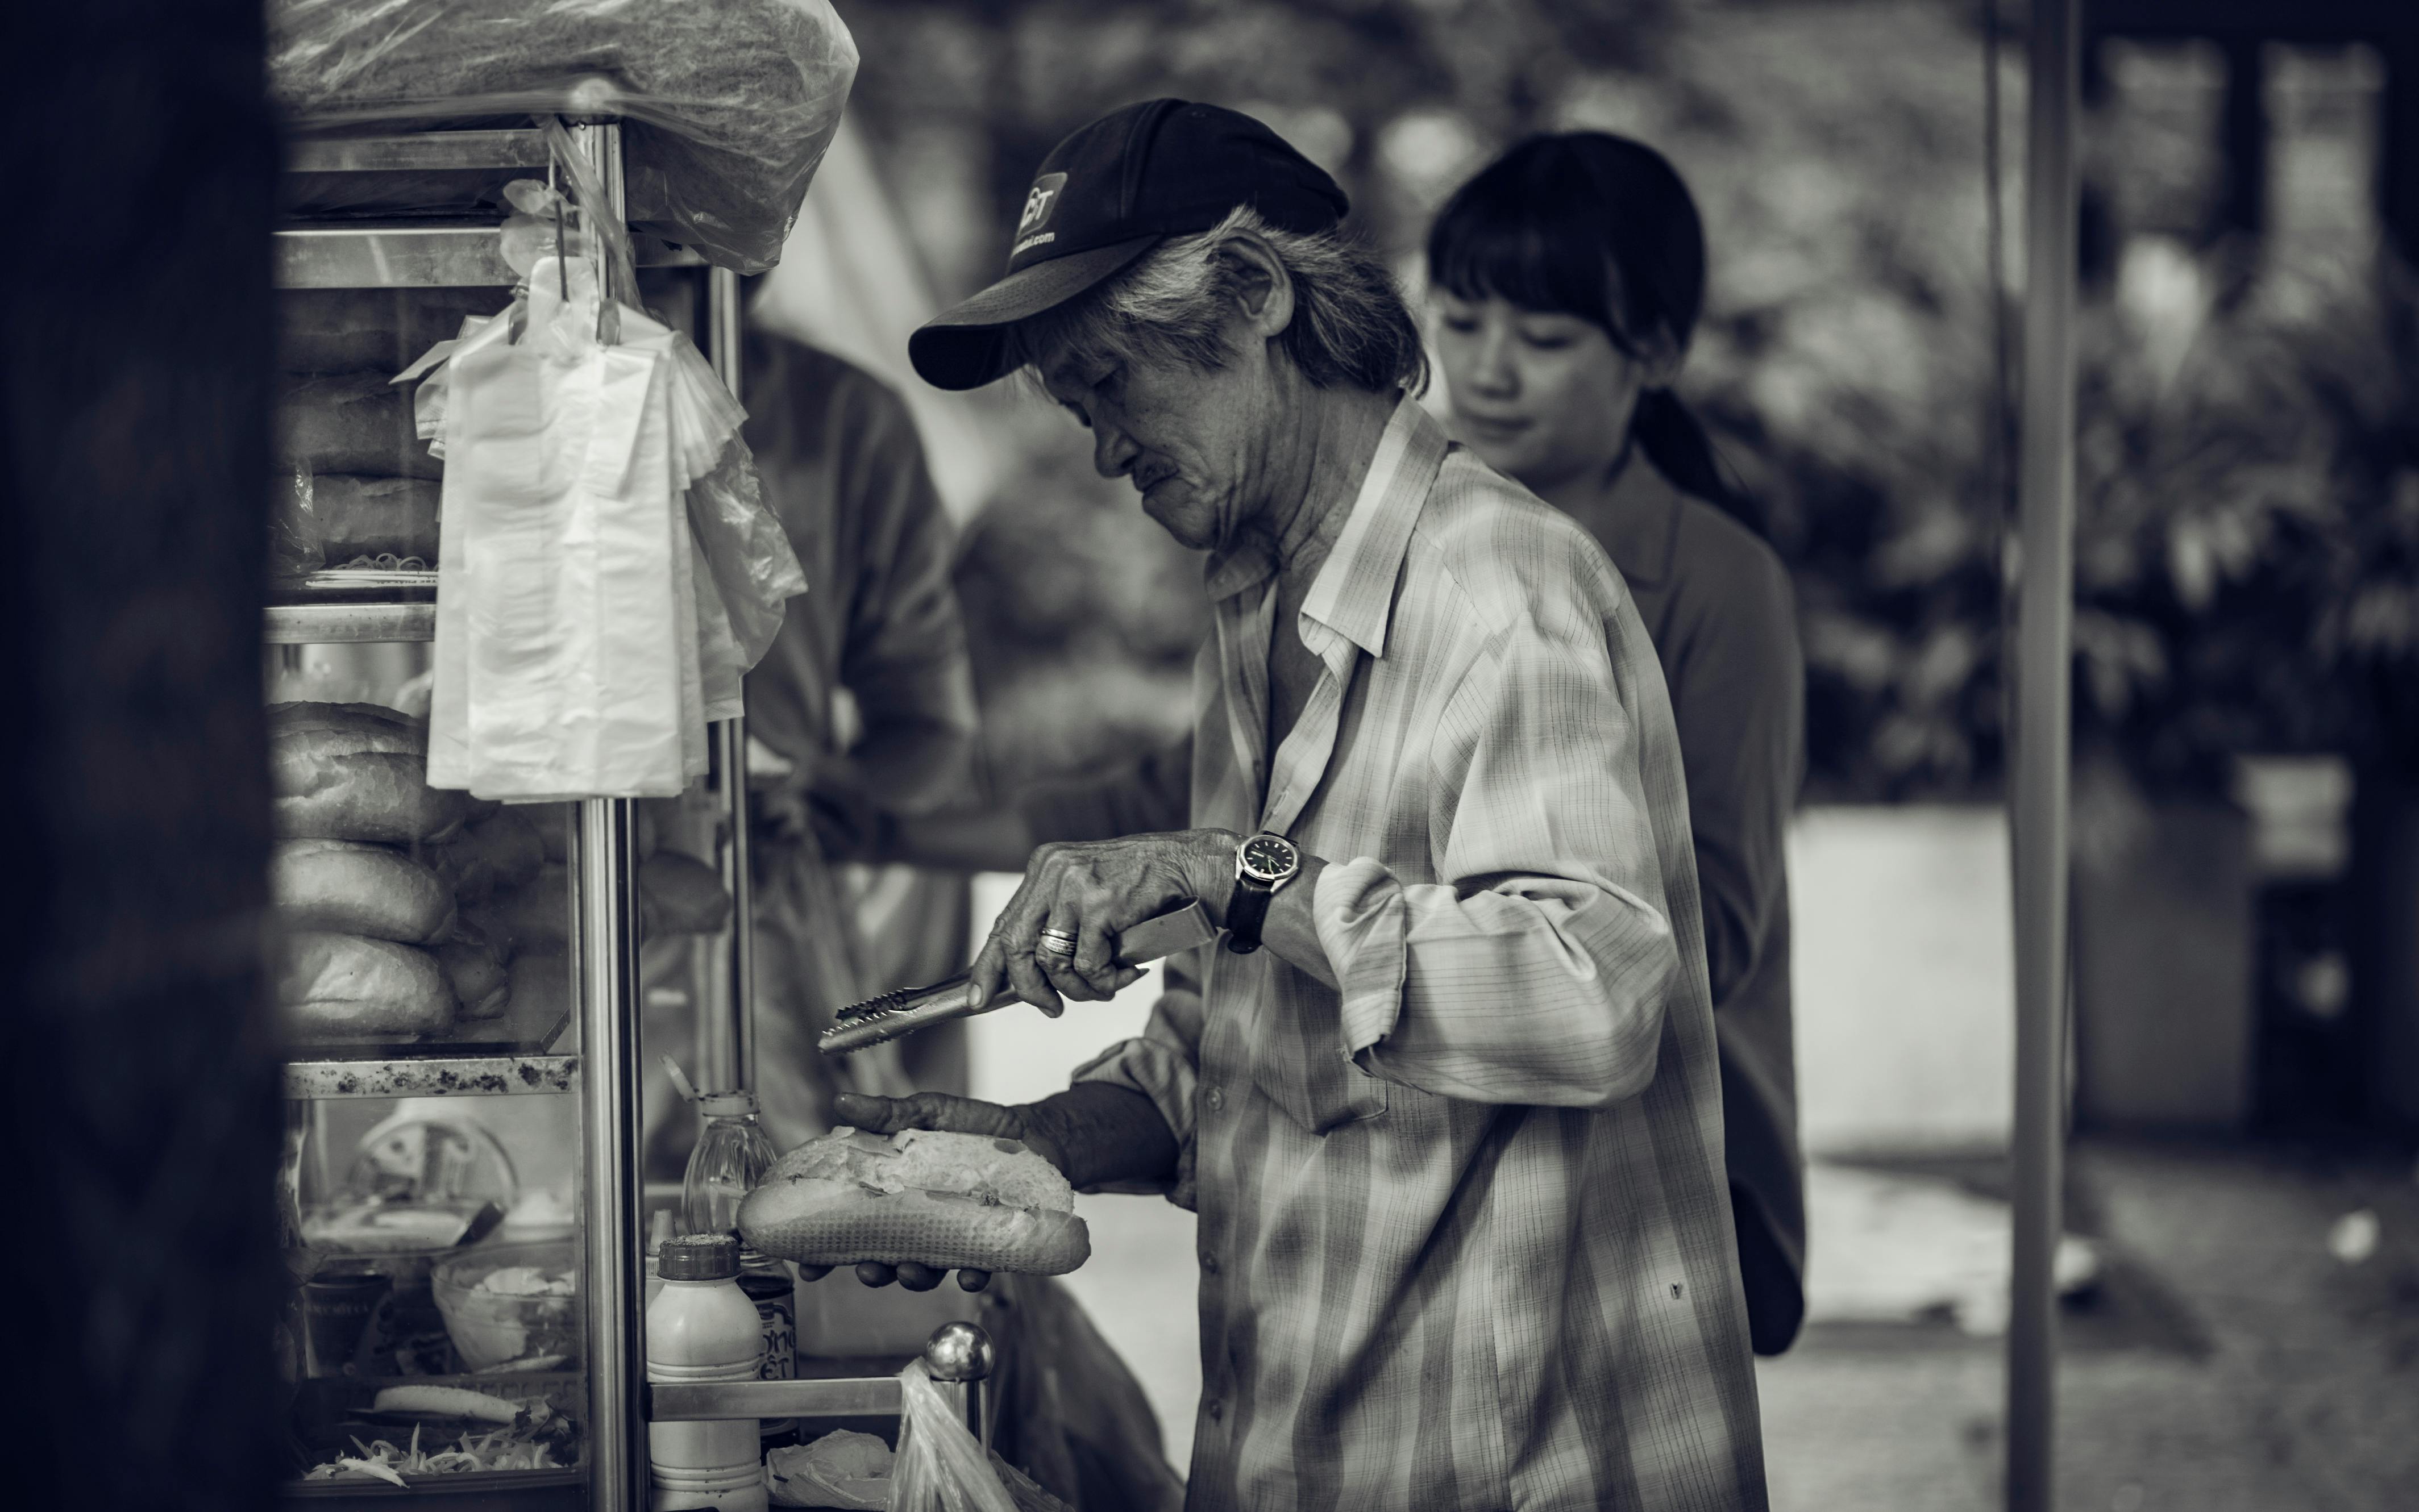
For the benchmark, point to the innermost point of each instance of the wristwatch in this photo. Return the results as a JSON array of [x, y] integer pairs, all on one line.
[[1263, 863]]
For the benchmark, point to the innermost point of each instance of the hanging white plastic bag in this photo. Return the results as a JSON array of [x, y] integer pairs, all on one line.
[[755, 572], [940, 1467], [564, 522]]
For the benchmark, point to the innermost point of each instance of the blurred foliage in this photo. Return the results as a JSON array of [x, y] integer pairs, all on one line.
[[2248, 533]]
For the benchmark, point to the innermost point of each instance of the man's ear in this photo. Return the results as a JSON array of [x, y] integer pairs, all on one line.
[[1263, 290]]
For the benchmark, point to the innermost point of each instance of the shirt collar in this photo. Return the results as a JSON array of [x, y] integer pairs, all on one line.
[[1642, 522], [1354, 592]]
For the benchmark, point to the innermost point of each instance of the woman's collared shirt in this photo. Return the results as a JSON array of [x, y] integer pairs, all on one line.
[[1464, 1237]]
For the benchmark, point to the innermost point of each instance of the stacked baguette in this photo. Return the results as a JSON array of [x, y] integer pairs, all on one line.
[[354, 479], [383, 884], [407, 909]]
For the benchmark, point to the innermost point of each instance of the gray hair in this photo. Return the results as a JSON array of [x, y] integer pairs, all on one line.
[[1351, 325]]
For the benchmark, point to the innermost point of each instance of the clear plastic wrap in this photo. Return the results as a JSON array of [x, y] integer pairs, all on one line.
[[730, 103], [940, 1467]]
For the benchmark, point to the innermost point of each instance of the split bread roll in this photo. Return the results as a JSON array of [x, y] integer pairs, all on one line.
[[350, 985], [347, 888], [355, 771], [953, 1202]]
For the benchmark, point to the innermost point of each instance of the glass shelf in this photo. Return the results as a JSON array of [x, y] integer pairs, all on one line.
[[492, 1075]]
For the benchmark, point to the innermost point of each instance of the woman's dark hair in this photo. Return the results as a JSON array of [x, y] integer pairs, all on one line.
[[1599, 227]]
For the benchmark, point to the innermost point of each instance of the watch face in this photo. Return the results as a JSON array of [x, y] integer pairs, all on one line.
[[1268, 858]]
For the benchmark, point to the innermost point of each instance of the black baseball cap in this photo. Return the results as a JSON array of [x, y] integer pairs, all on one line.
[[1111, 192]]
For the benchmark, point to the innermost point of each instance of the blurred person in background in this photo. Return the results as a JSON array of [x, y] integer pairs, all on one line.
[[865, 702], [1568, 276], [1445, 1098]]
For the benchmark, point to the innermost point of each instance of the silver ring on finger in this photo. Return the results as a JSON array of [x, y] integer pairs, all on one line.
[[1056, 943]]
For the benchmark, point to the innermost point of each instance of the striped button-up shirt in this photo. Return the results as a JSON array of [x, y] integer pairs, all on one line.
[[1465, 1243]]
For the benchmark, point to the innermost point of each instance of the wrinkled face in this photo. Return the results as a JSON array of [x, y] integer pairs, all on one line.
[[1193, 444], [1541, 398]]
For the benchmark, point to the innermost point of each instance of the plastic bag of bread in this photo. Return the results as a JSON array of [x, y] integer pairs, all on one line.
[[345, 887], [953, 1202], [728, 106], [843, 1469], [355, 771], [331, 985], [353, 422]]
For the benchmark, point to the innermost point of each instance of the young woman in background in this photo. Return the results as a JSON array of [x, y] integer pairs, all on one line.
[[1568, 277]]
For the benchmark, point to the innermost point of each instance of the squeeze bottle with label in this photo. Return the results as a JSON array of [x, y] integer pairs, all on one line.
[[702, 1327]]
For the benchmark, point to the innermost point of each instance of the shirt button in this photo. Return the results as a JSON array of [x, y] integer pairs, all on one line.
[[1216, 1099], [1217, 1410], [1208, 1264]]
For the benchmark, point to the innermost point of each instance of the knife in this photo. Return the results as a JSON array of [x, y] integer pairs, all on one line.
[[895, 1013]]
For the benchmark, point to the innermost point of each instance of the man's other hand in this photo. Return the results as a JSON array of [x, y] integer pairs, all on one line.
[[948, 1115]]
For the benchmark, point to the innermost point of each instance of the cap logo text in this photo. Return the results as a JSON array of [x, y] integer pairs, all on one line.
[[1039, 202]]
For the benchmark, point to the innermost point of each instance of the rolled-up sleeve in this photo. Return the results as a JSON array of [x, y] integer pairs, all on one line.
[[1536, 970], [1163, 1065]]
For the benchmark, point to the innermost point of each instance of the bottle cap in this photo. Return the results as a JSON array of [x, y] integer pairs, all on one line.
[[699, 1257], [727, 1105]]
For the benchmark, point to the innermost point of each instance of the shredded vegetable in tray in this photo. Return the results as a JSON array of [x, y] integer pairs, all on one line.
[[540, 1441], [502, 1449]]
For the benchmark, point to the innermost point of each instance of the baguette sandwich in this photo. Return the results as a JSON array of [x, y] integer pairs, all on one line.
[[953, 1202]]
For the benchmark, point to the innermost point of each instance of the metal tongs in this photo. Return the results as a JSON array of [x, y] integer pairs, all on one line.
[[904, 1012]]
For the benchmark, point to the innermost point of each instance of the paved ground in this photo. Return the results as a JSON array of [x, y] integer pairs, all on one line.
[[2229, 1361]]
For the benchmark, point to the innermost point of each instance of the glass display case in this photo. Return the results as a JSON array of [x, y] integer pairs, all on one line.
[[462, 984]]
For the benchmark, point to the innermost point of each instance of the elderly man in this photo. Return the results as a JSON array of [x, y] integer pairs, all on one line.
[[1444, 1095]]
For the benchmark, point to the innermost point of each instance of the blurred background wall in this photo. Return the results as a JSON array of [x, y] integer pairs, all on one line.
[[2249, 536]]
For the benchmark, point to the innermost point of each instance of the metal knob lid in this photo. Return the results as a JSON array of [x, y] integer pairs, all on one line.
[[960, 1352]]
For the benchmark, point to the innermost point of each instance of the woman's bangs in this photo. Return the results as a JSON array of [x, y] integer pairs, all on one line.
[[1515, 251]]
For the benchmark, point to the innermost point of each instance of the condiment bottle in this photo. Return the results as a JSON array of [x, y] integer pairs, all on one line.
[[702, 1327], [733, 1154]]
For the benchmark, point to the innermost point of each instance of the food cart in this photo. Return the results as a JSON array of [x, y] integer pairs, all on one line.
[[426, 1251]]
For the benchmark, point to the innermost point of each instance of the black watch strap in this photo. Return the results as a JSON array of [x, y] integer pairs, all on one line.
[[1245, 912]]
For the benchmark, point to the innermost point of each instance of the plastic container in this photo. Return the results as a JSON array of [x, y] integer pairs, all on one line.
[[512, 1306], [702, 1327], [734, 1154]]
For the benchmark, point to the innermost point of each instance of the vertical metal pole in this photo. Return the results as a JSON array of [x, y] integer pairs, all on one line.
[[2044, 661], [605, 862], [726, 1034]]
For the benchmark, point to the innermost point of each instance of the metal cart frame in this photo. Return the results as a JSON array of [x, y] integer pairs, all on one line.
[[411, 253]]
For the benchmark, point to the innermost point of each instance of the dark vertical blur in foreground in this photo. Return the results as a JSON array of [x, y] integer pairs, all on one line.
[[140, 1092]]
